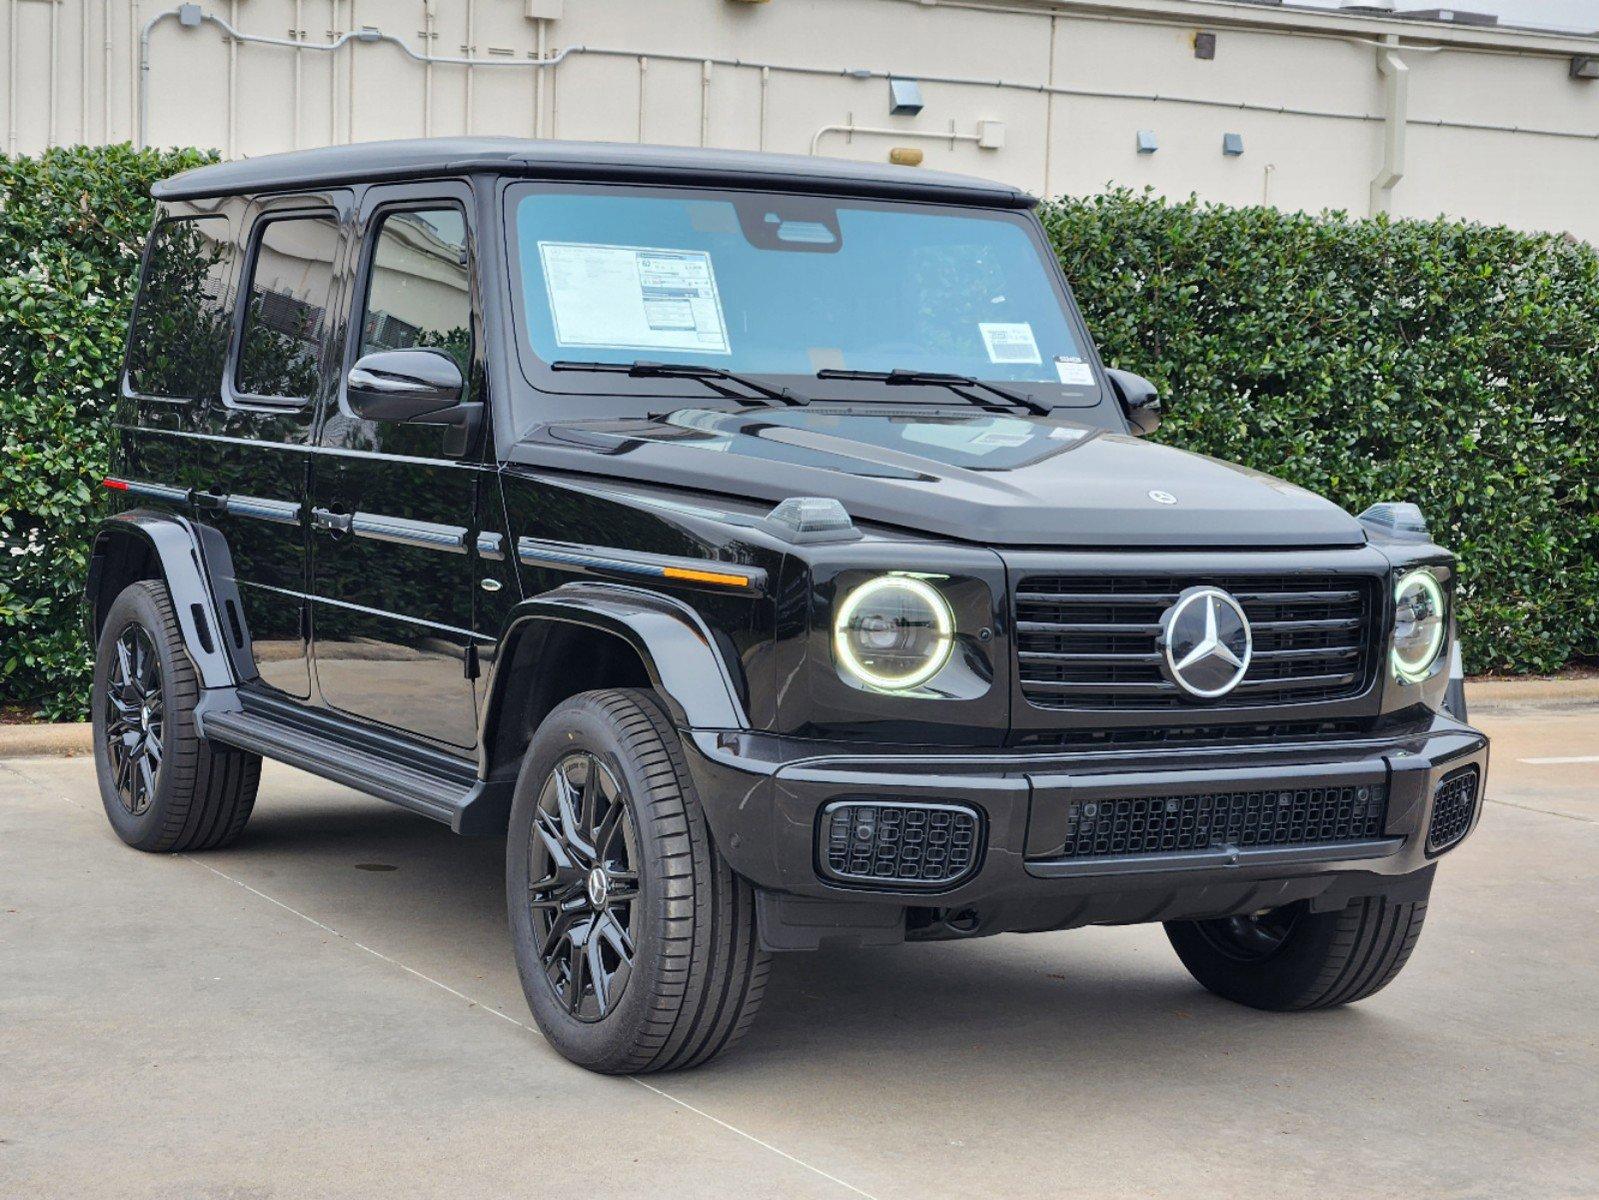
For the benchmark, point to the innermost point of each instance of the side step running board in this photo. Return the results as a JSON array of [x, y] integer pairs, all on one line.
[[424, 781]]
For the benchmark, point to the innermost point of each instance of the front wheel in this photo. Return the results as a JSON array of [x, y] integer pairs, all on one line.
[[635, 942], [1291, 959]]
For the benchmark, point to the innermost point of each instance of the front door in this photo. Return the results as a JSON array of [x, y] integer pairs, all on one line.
[[393, 504]]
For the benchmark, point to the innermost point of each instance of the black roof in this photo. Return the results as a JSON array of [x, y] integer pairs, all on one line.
[[424, 157]]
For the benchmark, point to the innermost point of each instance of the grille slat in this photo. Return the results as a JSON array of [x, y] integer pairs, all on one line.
[[1090, 642], [1180, 824]]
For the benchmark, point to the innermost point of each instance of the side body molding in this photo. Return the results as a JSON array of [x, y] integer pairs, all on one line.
[[678, 650], [175, 544]]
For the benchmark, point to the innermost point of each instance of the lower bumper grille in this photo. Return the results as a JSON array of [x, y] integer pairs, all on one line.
[[1453, 805], [1178, 824], [915, 845]]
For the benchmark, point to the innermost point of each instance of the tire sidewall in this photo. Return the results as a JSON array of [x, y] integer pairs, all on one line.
[[136, 606], [607, 1044]]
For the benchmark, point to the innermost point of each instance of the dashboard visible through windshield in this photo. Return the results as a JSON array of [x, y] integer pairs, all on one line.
[[791, 286]]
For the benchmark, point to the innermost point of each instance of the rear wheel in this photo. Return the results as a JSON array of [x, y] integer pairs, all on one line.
[[635, 942], [1288, 959], [164, 787]]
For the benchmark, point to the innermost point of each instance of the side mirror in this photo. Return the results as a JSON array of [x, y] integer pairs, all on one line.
[[1139, 399], [408, 385]]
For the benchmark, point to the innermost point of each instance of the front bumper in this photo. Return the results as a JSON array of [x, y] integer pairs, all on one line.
[[763, 797]]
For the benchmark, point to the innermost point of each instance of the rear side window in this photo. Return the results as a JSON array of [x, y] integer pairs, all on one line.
[[179, 339], [290, 277], [419, 291]]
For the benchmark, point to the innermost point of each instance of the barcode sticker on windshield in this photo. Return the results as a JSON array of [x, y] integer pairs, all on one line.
[[1009, 342], [1074, 372], [633, 298]]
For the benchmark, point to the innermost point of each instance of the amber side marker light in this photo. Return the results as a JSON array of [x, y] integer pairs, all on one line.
[[715, 577]]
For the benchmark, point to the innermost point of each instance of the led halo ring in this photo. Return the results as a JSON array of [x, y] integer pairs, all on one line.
[[943, 619], [1414, 670]]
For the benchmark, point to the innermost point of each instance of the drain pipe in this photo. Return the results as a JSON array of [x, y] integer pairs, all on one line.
[[1396, 114]]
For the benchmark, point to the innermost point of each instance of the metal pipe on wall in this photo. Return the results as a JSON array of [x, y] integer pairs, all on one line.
[[1396, 105], [55, 69], [11, 77]]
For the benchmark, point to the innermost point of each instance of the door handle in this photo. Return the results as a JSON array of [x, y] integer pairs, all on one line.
[[336, 523]]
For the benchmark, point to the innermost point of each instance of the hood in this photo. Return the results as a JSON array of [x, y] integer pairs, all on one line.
[[1002, 480]]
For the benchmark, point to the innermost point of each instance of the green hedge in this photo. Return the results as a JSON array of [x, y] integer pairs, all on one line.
[[1454, 365], [72, 227], [1450, 364]]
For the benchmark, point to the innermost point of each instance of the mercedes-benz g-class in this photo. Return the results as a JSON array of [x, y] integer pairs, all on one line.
[[760, 547]]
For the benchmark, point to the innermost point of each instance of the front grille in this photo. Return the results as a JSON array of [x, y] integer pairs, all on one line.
[[1175, 824], [1452, 807], [918, 845], [1091, 641]]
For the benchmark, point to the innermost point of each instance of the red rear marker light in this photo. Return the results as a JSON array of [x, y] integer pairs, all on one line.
[[116, 485]]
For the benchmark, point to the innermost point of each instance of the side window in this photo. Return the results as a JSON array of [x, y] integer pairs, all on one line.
[[419, 286], [280, 348], [179, 339]]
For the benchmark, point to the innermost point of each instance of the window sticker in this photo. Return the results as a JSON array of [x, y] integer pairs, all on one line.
[[1074, 372], [633, 298], [1009, 342]]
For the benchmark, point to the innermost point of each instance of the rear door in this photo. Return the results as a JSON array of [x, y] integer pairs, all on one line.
[[394, 505], [249, 468]]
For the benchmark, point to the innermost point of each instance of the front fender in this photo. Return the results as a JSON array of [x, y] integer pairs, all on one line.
[[173, 544], [678, 650]]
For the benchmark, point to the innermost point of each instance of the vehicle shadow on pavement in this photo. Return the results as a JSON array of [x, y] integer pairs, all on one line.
[[1097, 1002]]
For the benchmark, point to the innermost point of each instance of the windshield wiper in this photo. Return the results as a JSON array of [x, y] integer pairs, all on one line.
[[901, 378], [703, 372]]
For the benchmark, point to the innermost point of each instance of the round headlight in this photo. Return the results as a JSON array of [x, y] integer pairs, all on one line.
[[1418, 624], [893, 632]]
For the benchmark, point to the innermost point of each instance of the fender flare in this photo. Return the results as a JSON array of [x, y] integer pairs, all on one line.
[[176, 546], [677, 648]]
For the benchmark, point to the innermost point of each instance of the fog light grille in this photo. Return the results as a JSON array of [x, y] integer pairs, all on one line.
[[1180, 824], [1453, 805], [915, 845]]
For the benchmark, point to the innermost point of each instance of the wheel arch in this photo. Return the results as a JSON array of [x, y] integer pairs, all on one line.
[[584, 636], [141, 545]]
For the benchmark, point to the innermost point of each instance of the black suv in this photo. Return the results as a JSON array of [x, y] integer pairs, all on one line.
[[759, 545]]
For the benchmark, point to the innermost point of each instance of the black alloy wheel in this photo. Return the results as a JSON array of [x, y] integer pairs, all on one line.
[[1251, 937], [164, 787], [135, 719], [635, 941], [1293, 958], [586, 885]]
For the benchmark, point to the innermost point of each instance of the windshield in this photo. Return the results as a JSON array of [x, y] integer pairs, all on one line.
[[791, 286]]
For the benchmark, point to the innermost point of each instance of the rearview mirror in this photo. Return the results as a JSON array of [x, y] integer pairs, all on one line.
[[408, 385], [1139, 400]]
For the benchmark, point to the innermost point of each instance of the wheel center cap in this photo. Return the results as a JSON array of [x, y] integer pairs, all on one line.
[[599, 887]]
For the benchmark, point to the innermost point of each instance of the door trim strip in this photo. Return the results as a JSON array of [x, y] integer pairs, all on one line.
[[424, 535], [279, 512]]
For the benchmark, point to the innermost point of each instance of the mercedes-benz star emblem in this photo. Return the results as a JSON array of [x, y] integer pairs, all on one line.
[[1206, 643], [1160, 497]]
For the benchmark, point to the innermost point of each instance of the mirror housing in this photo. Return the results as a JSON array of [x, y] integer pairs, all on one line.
[[408, 385], [1139, 400]]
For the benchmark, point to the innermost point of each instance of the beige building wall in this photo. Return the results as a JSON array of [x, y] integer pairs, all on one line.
[[1486, 124]]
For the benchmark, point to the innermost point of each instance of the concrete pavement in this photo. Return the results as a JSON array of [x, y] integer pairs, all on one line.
[[329, 1009]]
